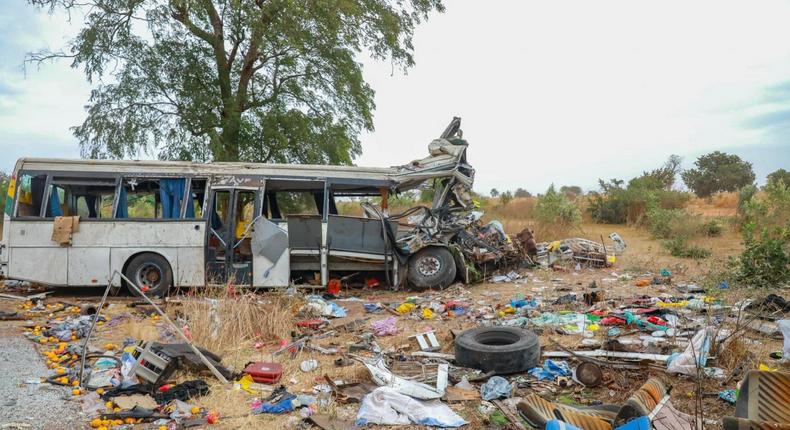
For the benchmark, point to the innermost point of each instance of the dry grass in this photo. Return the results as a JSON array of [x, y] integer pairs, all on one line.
[[719, 205], [221, 320]]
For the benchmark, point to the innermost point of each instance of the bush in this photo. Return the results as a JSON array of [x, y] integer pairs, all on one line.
[[505, 198], [679, 247], [672, 223], [618, 205], [765, 261], [765, 218], [712, 228], [556, 209]]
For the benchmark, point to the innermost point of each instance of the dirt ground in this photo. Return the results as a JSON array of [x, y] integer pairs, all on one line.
[[644, 258]]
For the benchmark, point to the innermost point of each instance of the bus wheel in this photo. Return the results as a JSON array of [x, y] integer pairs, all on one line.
[[151, 274], [431, 267]]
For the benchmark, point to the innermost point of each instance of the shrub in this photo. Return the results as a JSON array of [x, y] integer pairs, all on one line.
[[505, 198], [765, 261], [557, 210], [618, 205], [712, 228], [672, 223], [679, 247]]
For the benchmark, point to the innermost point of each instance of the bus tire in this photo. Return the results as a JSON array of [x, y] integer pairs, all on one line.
[[151, 273], [431, 267]]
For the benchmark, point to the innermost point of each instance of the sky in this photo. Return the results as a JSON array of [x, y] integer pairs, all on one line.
[[562, 92]]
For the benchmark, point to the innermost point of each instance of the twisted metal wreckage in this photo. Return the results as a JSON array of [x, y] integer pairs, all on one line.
[[453, 222]]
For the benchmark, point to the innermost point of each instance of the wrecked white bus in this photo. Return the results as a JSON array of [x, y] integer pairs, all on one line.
[[164, 224]]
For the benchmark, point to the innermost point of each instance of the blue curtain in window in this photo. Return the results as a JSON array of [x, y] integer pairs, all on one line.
[[171, 193], [54, 209], [123, 207]]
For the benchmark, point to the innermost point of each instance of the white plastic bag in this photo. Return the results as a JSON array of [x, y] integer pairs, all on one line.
[[784, 326], [698, 348], [384, 405]]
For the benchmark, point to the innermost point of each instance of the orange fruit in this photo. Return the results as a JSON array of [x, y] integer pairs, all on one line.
[[95, 423], [129, 421], [76, 391], [75, 383]]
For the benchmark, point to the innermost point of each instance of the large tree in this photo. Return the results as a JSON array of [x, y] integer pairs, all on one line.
[[717, 172], [228, 80]]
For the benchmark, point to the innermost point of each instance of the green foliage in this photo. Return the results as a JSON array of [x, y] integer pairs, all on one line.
[[426, 195], [745, 195], [673, 223], [494, 192], [505, 198], [663, 177], [712, 228], [615, 204], [765, 261], [716, 172], [229, 80], [777, 176], [557, 209], [571, 190], [679, 247], [521, 193], [3, 193]]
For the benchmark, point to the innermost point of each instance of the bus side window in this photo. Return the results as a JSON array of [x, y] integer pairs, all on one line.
[[151, 198], [197, 197], [88, 198], [30, 192]]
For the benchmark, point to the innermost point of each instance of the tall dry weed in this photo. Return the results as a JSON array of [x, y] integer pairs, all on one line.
[[220, 319]]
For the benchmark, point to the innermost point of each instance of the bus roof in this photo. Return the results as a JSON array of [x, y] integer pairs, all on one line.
[[444, 159]]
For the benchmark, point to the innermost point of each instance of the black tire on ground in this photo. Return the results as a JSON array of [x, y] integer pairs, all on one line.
[[503, 350], [431, 267], [152, 271]]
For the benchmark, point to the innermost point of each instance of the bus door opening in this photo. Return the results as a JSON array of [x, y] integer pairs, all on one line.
[[229, 253]]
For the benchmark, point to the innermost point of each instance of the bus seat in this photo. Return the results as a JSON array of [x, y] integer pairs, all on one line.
[[304, 232]]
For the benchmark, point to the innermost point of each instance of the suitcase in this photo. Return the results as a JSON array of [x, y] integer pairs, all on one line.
[[264, 373]]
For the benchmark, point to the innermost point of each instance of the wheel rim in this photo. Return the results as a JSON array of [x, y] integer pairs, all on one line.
[[429, 266], [149, 275]]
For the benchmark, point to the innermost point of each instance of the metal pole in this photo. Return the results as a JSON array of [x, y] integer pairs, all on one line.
[[178, 330], [93, 324]]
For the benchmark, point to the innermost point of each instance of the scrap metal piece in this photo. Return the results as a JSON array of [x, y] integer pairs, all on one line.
[[384, 377], [763, 402], [427, 341]]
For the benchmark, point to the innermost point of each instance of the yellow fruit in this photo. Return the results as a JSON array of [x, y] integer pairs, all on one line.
[[117, 422], [100, 391], [43, 340], [162, 427], [195, 410], [73, 337], [76, 391], [60, 371], [95, 423], [75, 383], [103, 428], [116, 409], [108, 405]]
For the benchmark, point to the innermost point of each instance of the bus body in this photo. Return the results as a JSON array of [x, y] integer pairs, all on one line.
[[178, 224]]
